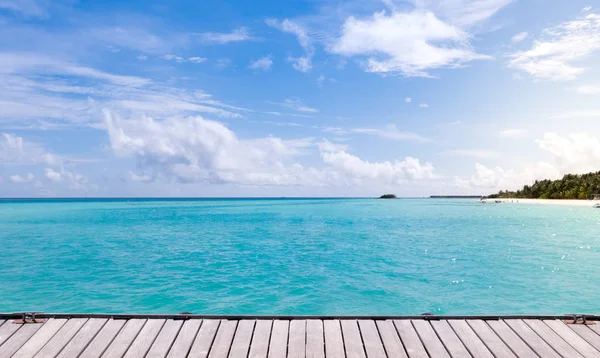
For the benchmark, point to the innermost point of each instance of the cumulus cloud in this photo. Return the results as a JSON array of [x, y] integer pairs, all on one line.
[[302, 63], [53, 175], [519, 37], [406, 43], [263, 63], [237, 35], [423, 105], [408, 100], [589, 89], [555, 57], [196, 59], [20, 179], [463, 13]]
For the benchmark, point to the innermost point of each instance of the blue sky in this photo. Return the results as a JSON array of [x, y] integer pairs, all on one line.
[[295, 98]]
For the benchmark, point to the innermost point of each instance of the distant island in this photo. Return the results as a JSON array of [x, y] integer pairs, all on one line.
[[388, 196], [571, 186]]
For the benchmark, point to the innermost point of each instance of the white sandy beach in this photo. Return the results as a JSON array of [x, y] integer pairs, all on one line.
[[545, 202]]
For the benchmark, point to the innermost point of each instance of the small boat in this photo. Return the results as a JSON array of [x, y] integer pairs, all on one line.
[[597, 206], [497, 201]]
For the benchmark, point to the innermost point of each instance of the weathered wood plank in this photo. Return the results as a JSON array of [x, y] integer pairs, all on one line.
[[586, 333], [81, 340], [61, 338], [103, 338], [185, 338], [413, 345], [430, 340], [279, 339], [572, 338], [451, 341], [241, 341], [259, 346], [7, 330], [297, 339], [165, 339], [490, 338], [222, 344], [512, 340], [470, 339], [125, 338], [552, 338], [334, 343], [391, 341], [370, 336], [144, 340], [596, 327], [205, 338], [22, 335], [352, 339], [315, 344], [40, 338], [537, 344]]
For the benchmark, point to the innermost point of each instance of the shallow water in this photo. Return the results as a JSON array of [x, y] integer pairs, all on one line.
[[298, 256]]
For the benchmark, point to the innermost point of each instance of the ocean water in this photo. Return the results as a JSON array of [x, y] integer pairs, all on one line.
[[298, 256]]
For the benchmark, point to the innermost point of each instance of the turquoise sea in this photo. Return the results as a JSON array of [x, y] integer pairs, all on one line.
[[298, 256]]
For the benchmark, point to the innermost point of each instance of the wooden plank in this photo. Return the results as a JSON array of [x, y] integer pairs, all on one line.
[[165, 339], [123, 340], [470, 339], [185, 338], [391, 341], [586, 333], [572, 338], [279, 338], [490, 338], [511, 339], [315, 344], [334, 343], [370, 336], [552, 338], [103, 338], [413, 345], [352, 339], [81, 340], [40, 338], [596, 327], [22, 335], [61, 338], [205, 338], [450, 340], [7, 330], [222, 344], [242, 338], [537, 344], [260, 340], [142, 343], [430, 340], [297, 339]]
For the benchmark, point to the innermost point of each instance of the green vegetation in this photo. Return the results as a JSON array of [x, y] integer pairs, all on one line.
[[388, 196], [571, 186]]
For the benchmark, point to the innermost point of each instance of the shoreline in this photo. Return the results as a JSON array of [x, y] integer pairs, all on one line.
[[563, 202]]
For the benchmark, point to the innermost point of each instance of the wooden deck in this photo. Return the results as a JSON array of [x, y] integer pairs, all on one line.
[[273, 337]]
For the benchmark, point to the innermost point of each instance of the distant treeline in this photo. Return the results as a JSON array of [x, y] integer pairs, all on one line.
[[571, 186]]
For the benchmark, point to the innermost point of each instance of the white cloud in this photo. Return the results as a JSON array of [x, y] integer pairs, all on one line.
[[170, 57], [29, 8], [497, 178], [263, 63], [588, 89], [519, 37], [463, 13], [578, 114], [555, 58], [19, 179], [424, 105], [473, 153], [196, 59], [237, 35], [408, 100], [388, 172], [406, 43], [512, 133], [391, 132], [296, 104], [586, 9], [142, 57], [303, 63], [53, 175]]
